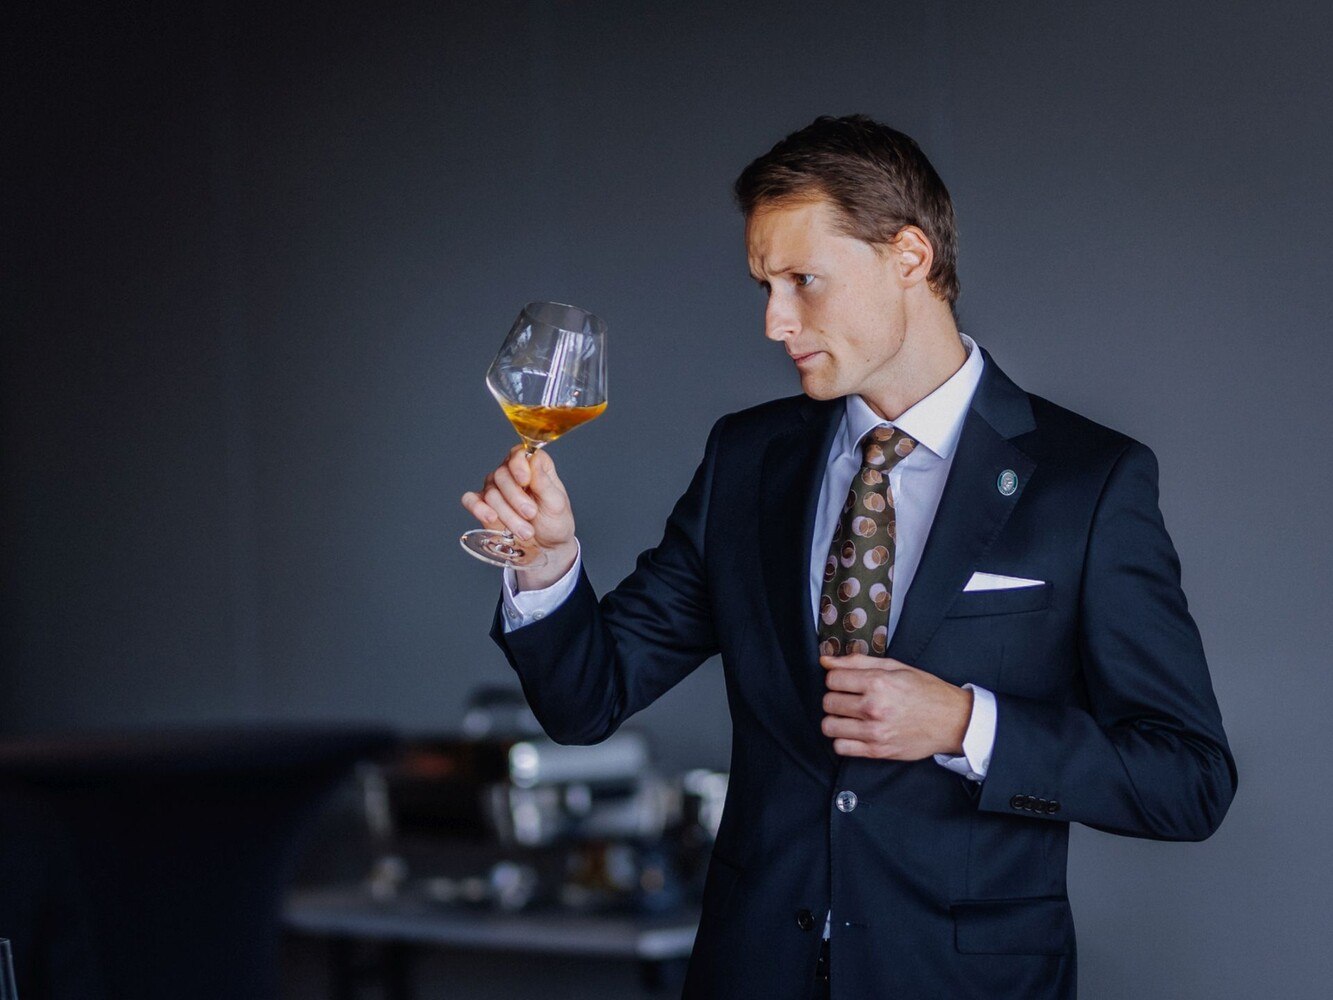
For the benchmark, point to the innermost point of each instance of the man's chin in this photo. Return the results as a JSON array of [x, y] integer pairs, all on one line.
[[818, 388]]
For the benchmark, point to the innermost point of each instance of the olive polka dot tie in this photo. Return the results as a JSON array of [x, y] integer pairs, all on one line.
[[858, 576]]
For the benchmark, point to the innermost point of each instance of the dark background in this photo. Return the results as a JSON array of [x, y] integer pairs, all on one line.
[[256, 261]]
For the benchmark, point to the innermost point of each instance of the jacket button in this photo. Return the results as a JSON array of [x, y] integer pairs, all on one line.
[[1017, 801], [846, 801], [1052, 807], [805, 920], [1041, 805]]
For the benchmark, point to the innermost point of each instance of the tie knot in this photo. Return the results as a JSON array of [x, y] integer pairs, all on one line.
[[885, 447]]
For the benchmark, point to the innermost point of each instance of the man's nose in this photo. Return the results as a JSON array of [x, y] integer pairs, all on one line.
[[780, 320]]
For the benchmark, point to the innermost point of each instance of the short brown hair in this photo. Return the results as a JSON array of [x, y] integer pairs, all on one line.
[[877, 178]]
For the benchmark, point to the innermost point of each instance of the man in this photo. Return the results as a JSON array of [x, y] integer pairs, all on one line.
[[948, 611]]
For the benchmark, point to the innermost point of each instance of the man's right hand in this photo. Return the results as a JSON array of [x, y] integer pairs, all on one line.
[[526, 496]]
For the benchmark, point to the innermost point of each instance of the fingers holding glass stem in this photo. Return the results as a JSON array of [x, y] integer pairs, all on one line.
[[525, 497], [503, 502]]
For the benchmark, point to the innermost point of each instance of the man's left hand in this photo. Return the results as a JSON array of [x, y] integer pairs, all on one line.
[[881, 707]]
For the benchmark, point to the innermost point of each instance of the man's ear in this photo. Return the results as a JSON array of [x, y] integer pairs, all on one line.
[[911, 255]]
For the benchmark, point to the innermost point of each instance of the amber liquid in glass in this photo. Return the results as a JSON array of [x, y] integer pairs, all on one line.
[[540, 425]]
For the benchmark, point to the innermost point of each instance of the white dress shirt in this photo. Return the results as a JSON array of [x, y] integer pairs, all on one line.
[[917, 481]]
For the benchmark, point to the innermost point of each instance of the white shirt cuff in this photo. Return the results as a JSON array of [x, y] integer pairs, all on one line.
[[978, 741], [523, 607]]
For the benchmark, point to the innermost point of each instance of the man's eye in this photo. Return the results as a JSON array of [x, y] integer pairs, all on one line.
[[804, 279]]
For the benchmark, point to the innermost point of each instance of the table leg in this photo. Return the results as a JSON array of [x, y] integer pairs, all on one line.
[[664, 976], [343, 975], [354, 964], [397, 971]]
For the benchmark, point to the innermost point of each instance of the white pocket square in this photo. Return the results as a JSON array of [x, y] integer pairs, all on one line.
[[994, 581]]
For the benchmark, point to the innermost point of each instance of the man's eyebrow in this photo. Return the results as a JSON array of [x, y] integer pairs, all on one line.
[[772, 270]]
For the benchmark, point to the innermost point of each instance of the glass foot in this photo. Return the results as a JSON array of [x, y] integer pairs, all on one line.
[[500, 548]]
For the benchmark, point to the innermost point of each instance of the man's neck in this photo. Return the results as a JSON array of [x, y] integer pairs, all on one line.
[[926, 360]]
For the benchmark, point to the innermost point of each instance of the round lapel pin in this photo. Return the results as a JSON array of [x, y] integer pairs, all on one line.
[[1007, 484]]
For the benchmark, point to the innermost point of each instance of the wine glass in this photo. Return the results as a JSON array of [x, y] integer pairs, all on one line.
[[549, 377], [8, 990]]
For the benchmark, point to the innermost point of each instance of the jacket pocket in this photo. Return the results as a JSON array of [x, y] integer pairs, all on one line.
[[1005, 601], [1038, 925]]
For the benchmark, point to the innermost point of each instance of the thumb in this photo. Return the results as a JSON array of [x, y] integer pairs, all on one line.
[[861, 661], [850, 661]]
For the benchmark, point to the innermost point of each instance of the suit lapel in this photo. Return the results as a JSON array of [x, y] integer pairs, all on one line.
[[972, 508], [793, 472]]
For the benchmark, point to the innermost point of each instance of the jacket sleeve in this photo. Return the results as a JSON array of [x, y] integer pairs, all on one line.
[[589, 665], [1144, 755]]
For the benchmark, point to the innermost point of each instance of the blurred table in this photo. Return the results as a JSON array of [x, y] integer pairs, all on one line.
[[398, 927]]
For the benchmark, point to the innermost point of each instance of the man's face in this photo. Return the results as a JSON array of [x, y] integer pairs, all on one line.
[[834, 302]]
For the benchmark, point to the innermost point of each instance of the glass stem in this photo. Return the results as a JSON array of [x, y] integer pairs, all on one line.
[[530, 448]]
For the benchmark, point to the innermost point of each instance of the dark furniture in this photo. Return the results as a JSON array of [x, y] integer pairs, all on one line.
[[184, 841]]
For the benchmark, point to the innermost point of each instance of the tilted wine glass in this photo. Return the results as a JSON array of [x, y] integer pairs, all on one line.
[[549, 377]]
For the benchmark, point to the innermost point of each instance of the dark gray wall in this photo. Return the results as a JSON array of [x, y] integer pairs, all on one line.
[[255, 264]]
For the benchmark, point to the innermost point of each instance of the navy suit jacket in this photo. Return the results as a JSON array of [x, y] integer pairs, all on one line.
[[939, 887]]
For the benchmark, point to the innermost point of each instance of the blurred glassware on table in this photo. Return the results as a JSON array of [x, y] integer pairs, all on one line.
[[503, 818]]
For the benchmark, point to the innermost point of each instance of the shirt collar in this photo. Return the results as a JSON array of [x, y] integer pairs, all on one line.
[[935, 421]]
